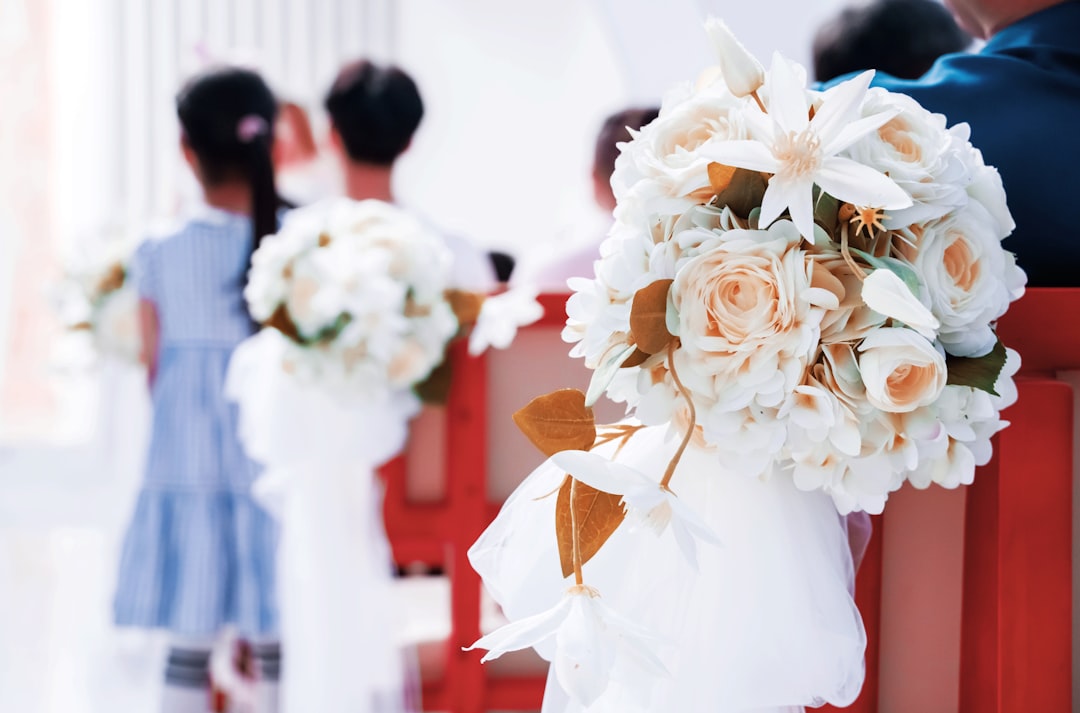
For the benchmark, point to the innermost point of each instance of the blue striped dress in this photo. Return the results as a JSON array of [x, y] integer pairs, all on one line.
[[199, 552]]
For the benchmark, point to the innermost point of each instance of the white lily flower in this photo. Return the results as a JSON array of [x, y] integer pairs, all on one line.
[[591, 641], [646, 500], [800, 151], [500, 318], [885, 293], [742, 72]]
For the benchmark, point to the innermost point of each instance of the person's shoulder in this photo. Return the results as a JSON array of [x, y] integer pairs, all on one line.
[[949, 86]]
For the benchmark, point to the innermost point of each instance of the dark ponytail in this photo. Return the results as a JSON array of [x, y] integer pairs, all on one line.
[[255, 135], [227, 115]]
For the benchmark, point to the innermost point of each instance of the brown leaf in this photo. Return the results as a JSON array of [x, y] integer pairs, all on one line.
[[113, 279], [648, 317], [720, 176], [282, 322], [558, 421], [598, 515], [636, 359], [743, 193], [435, 389], [466, 305]]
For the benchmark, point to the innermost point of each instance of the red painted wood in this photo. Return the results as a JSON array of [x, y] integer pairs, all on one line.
[[1024, 631], [1040, 326], [1016, 649], [978, 624]]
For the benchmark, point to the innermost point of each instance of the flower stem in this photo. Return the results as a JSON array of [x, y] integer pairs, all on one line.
[[689, 428], [859, 272], [574, 533], [759, 103]]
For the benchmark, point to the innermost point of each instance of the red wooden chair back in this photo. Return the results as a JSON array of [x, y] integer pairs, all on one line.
[[1016, 629]]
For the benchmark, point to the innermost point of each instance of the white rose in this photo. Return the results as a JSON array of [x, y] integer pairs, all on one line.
[[901, 370], [916, 152], [970, 279], [660, 172]]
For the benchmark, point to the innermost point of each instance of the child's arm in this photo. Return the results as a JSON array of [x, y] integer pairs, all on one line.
[[149, 329]]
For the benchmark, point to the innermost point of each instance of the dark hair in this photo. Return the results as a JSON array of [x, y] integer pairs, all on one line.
[[503, 264], [227, 115], [900, 37], [375, 110], [613, 131]]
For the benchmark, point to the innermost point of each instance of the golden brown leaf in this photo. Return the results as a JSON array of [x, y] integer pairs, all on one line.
[[598, 515], [558, 421], [435, 389], [113, 279], [466, 305], [282, 322], [648, 317], [720, 176]]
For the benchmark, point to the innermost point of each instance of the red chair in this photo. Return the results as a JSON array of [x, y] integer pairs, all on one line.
[[1016, 630]]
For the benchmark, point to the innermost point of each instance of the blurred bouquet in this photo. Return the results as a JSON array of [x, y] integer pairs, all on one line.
[[98, 306], [800, 289], [360, 289]]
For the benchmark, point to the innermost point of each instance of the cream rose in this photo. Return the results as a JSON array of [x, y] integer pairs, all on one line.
[[748, 319], [970, 279], [901, 370], [661, 172], [916, 151]]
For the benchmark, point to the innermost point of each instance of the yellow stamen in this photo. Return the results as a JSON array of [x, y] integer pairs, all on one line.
[[869, 218]]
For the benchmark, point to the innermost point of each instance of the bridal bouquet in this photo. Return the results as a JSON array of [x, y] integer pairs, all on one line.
[[799, 292], [358, 312], [95, 299]]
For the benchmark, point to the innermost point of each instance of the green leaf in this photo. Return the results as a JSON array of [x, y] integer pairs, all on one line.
[[743, 193], [825, 211], [900, 268], [977, 372]]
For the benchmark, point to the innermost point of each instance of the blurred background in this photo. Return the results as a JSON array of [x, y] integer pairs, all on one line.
[[514, 93]]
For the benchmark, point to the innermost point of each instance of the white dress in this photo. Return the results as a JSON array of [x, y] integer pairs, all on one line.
[[767, 624]]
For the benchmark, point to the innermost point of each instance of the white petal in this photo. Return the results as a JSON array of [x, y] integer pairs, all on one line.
[[687, 515], [753, 155], [801, 207], [742, 72], [787, 96], [687, 543], [600, 473], [860, 185], [585, 651], [850, 133], [886, 294], [778, 195], [606, 371], [523, 633], [839, 106]]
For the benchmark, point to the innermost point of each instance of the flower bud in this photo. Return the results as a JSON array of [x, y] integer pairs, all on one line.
[[742, 72]]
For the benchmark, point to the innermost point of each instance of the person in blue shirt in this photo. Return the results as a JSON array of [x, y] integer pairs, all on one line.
[[1021, 96]]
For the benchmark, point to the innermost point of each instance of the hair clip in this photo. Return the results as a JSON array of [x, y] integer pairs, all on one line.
[[251, 126]]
